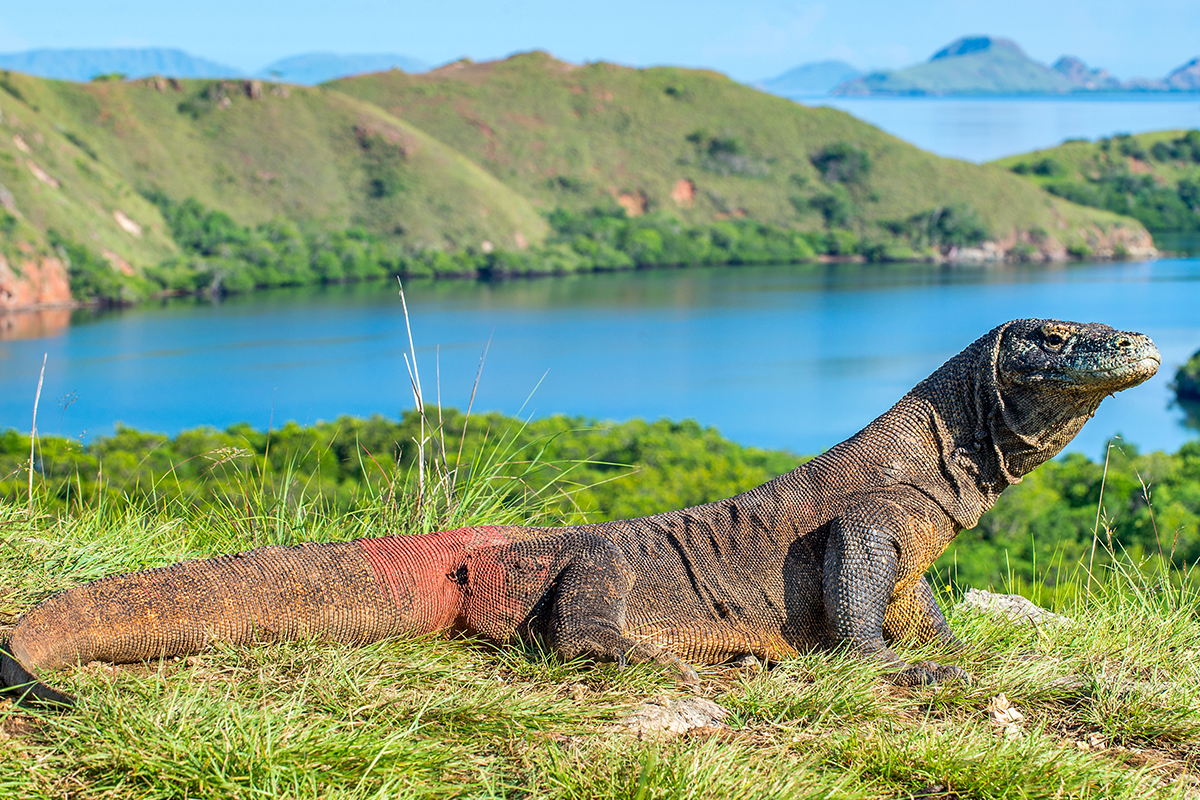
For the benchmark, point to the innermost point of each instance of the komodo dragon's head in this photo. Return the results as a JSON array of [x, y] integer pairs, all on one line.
[[1049, 378], [1011, 401]]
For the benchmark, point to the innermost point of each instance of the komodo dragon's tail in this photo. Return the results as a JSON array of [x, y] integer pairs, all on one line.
[[317, 591]]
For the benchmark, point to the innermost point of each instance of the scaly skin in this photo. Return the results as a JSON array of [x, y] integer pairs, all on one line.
[[830, 554]]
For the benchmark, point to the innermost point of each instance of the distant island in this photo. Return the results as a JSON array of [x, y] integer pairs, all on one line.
[[84, 65], [808, 80], [975, 65]]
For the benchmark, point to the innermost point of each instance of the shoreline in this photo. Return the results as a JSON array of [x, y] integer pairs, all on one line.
[[989, 255]]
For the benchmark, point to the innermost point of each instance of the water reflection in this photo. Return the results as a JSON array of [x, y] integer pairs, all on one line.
[[34, 324]]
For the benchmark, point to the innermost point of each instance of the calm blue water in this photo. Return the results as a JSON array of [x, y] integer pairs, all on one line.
[[782, 357], [983, 128]]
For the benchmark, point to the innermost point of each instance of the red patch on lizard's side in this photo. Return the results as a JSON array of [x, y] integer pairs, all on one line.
[[423, 573]]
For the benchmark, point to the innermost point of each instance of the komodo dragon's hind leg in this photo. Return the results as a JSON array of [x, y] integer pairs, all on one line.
[[587, 614]]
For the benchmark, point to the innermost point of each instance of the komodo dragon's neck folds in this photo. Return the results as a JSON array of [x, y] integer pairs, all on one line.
[[830, 554]]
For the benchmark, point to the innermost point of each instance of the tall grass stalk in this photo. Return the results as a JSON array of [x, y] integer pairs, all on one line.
[[37, 398], [1099, 506], [414, 376]]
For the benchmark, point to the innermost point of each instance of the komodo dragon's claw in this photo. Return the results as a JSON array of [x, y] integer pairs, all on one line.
[[16, 681], [929, 673], [684, 672]]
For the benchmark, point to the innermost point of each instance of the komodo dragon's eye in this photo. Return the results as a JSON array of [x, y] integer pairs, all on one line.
[[1054, 338]]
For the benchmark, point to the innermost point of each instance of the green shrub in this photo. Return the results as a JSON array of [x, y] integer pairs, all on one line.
[[842, 162], [1187, 380], [955, 225]]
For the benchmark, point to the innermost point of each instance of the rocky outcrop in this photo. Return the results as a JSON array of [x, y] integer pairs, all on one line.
[[39, 282], [1011, 608], [663, 718], [1117, 242]]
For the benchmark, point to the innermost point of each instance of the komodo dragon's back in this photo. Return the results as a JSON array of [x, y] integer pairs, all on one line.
[[832, 553]]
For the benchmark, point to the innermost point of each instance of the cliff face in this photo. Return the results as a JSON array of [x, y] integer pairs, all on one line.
[[39, 282]]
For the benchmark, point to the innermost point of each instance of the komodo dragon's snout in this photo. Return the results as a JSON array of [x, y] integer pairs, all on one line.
[[831, 554]]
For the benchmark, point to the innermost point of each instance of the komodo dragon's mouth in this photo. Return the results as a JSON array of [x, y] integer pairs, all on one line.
[[1136, 372], [1116, 372]]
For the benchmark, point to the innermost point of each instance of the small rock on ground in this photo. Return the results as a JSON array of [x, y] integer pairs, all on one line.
[[662, 717], [1005, 716], [1011, 607]]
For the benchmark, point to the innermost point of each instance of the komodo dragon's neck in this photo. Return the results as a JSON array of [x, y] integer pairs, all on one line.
[[954, 437], [959, 437]]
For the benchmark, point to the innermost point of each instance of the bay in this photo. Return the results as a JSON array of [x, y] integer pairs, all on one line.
[[984, 128], [795, 357]]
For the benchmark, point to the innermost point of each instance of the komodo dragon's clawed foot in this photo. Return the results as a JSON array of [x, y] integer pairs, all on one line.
[[929, 673], [17, 682]]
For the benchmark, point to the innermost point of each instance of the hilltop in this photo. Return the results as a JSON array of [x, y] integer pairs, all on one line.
[[313, 68], [85, 64], [971, 65], [135, 187], [1154, 177], [694, 143]]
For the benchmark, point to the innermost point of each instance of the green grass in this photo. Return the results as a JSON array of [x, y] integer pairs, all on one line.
[[434, 718], [470, 719]]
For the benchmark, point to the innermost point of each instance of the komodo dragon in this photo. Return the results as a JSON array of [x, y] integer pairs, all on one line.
[[831, 553]]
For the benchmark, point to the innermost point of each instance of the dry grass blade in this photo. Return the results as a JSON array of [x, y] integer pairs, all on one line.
[[33, 429]]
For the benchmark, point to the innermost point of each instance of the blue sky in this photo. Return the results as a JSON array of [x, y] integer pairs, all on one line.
[[747, 39]]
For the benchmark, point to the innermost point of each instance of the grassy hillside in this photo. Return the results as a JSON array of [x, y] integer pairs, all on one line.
[[695, 144], [521, 166], [261, 151], [53, 179], [1154, 177]]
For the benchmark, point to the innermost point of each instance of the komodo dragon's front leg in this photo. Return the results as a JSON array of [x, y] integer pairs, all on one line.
[[863, 609]]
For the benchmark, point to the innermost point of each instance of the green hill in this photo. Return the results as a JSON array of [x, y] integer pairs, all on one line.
[[972, 65], [262, 151], [221, 185], [693, 143], [1154, 177]]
